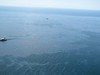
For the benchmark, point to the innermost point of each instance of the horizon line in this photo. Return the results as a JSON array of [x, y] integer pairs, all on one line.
[[51, 8]]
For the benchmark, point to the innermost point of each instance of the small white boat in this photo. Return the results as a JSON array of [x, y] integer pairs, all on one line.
[[3, 39]]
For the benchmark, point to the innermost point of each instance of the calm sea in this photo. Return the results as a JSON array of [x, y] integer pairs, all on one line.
[[35, 33]]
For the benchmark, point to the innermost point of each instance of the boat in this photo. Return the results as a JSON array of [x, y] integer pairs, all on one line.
[[3, 39]]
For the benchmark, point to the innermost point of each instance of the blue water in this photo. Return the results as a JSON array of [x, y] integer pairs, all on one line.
[[33, 33]]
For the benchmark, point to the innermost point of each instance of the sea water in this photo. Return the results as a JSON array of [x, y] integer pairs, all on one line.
[[35, 33]]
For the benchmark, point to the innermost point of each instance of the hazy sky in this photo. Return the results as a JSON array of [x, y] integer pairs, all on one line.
[[77, 4]]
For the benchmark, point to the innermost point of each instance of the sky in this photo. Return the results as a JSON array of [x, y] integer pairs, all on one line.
[[73, 4]]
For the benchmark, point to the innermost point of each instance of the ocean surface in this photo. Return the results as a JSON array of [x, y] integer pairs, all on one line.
[[35, 33], [49, 44]]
